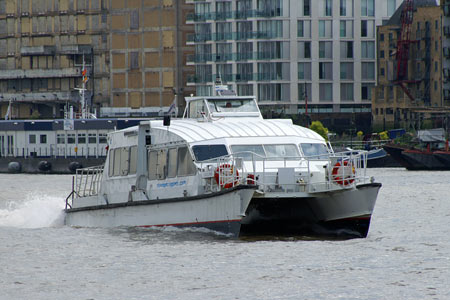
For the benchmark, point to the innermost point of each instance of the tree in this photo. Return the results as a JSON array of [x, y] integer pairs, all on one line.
[[317, 126]]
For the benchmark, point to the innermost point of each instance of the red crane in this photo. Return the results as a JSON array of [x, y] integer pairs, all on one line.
[[403, 45]]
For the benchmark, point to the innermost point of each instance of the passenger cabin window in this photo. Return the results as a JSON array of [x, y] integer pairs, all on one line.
[[197, 109], [119, 162], [249, 152], [258, 152], [205, 152], [170, 163], [133, 160], [284, 151], [185, 164], [315, 150], [232, 105], [111, 163], [152, 164]]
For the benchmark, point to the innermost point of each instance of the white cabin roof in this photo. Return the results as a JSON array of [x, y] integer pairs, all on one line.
[[197, 131]]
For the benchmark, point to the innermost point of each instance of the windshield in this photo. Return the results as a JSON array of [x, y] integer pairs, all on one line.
[[315, 150], [249, 152], [205, 152], [232, 105], [261, 151]]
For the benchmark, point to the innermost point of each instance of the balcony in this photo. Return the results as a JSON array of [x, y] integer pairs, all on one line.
[[40, 73], [37, 50], [49, 96], [222, 36], [245, 77], [221, 57], [240, 15]]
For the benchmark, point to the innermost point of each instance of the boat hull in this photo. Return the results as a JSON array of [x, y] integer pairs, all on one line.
[[222, 211], [414, 159], [346, 213]]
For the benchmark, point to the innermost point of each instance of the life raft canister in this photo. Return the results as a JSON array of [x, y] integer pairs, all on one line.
[[226, 176], [345, 176]]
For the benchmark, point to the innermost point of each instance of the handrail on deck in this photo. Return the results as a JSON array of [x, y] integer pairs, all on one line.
[[88, 180], [264, 171]]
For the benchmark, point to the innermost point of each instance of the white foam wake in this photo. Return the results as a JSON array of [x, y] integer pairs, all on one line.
[[36, 211]]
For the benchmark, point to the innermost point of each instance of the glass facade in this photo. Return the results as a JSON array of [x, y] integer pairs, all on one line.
[[329, 56]]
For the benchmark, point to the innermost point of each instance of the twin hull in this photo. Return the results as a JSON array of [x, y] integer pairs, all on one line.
[[239, 211]]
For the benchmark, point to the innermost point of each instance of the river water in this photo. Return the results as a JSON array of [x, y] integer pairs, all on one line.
[[405, 256]]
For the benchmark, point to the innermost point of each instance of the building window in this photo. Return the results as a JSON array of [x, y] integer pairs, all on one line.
[[325, 29], [326, 92], [346, 29], [273, 92], [71, 138], [382, 54], [347, 70], [325, 49], [367, 49], [328, 8], [304, 50], [102, 138], [43, 139], [306, 7], [304, 29], [436, 25], [436, 45], [366, 90], [347, 91], [368, 70], [245, 89], [381, 37], [60, 138], [391, 7], [304, 71], [343, 8], [134, 60], [367, 28], [346, 49], [134, 20], [92, 138], [368, 8], [32, 139], [304, 91], [435, 85], [82, 138], [326, 70], [363, 28], [382, 71]]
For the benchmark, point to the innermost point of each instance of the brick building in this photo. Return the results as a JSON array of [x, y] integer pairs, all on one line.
[[134, 53]]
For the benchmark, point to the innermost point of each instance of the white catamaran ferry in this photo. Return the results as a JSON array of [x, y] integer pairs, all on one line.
[[222, 166]]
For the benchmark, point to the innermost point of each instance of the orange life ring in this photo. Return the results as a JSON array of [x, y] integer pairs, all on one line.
[[341, 177], [227, 171]]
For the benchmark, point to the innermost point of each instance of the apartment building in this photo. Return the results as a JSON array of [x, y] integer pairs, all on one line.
[[407, 102], [133, 53], [445, 6], [290, 53]]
